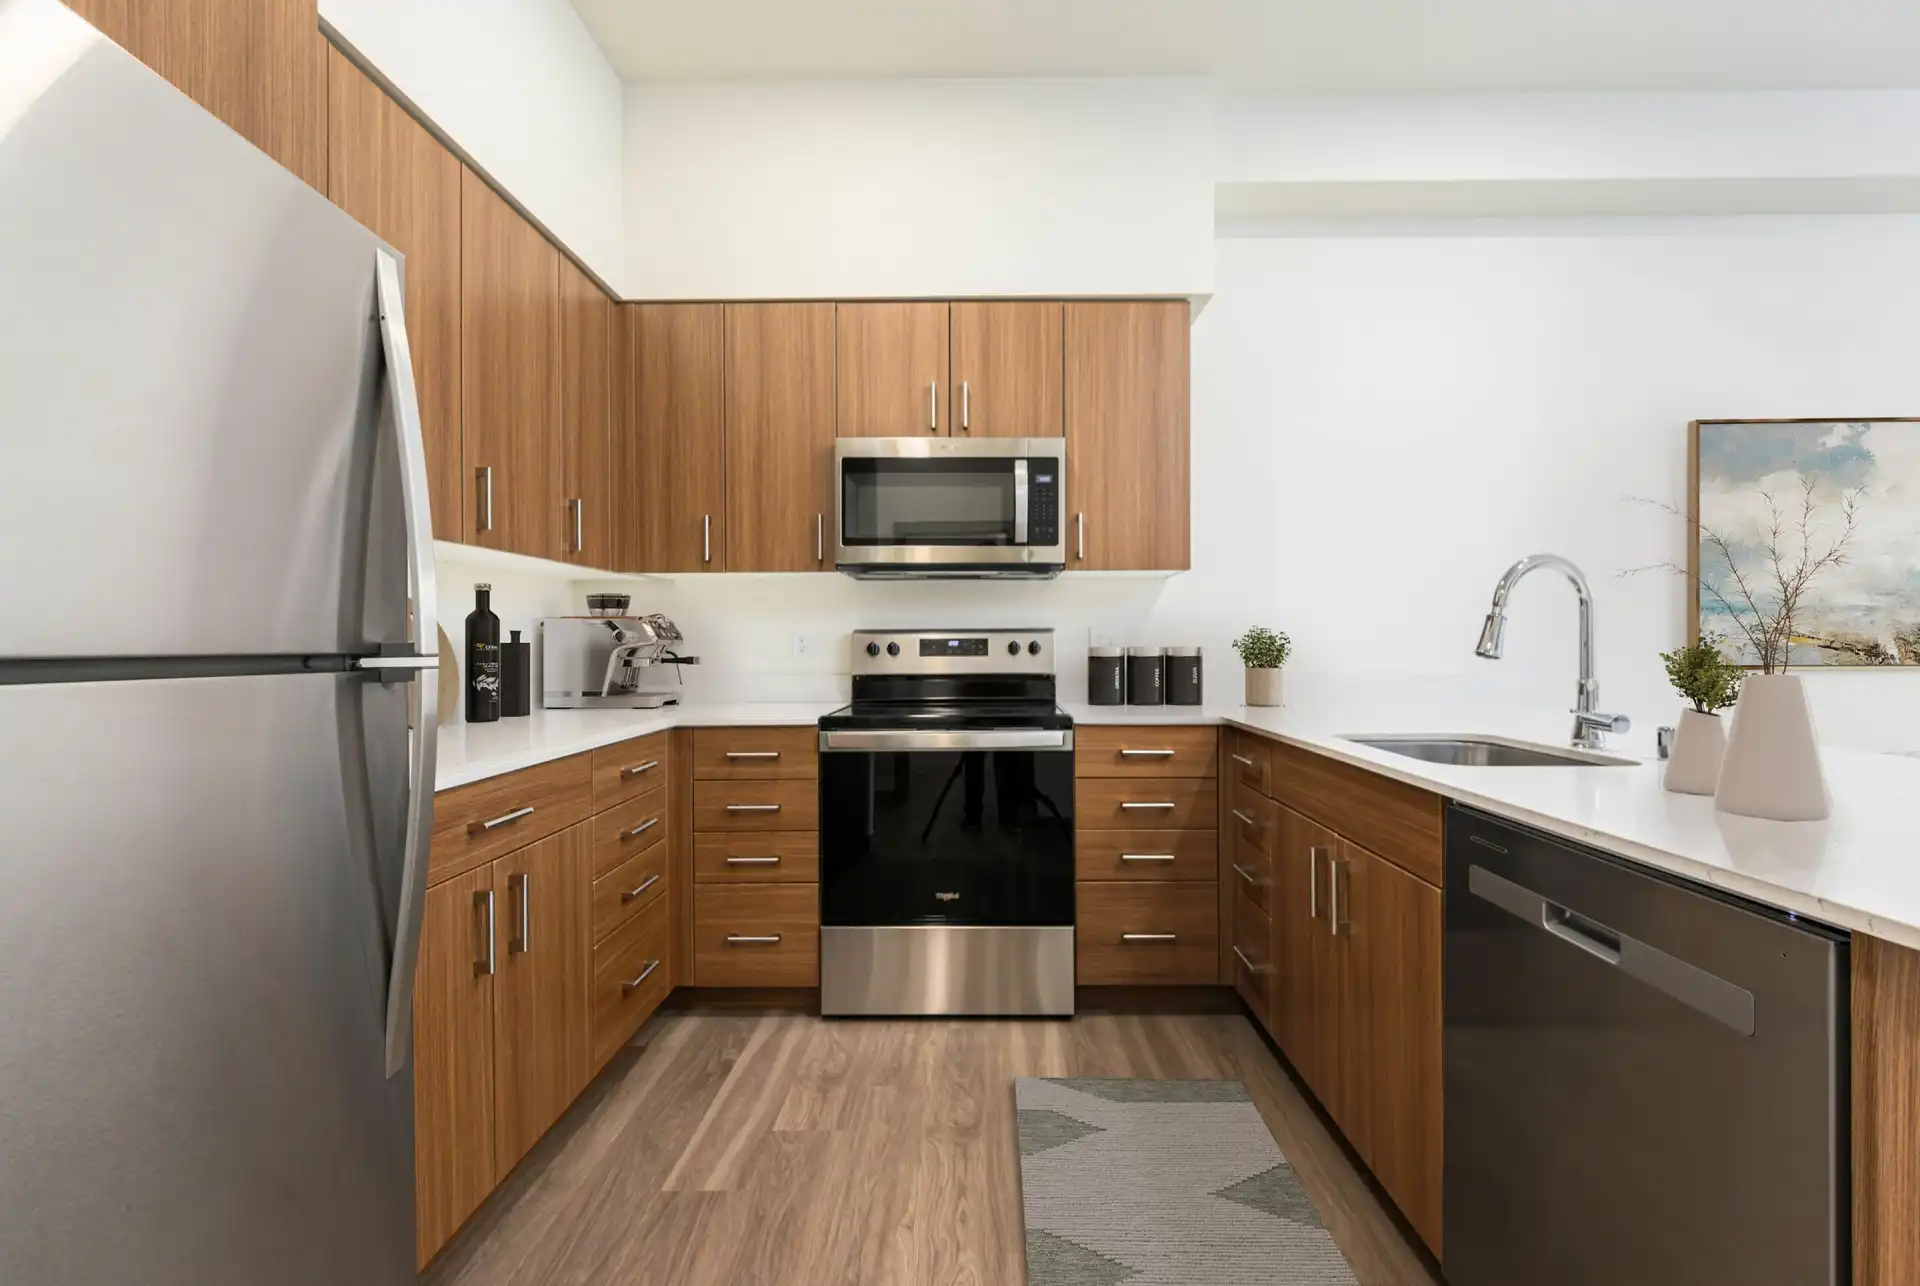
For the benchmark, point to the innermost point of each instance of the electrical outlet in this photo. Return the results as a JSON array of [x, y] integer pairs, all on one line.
[[803, 644]]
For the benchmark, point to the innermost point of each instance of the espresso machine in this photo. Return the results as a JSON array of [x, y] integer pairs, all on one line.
[[609, 662]]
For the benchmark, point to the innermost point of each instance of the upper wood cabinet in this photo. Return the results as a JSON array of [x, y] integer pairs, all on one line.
[[670, 446], [586, 435], [1127, 436], [779, 438], [510, 378], [1006, 369], [893, 369], [389, 173]]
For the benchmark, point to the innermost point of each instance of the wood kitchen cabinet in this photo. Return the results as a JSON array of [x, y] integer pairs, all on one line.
[[390, 174], [1127, 412], [586, 435], [670, 450], [1006, 369], [510, 377], [779, 436], [892, 369]]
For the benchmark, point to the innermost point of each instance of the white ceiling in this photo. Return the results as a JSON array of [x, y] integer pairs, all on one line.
[[1324, 46]]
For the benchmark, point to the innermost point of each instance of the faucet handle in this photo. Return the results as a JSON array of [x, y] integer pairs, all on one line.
[[1602, 722]]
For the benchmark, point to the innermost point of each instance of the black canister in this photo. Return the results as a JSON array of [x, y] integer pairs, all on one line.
[[516, 677], [1183, 676], [1146, 676], [1106, 676]]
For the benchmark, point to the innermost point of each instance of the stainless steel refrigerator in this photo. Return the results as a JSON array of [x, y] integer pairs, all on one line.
[[216, 711]]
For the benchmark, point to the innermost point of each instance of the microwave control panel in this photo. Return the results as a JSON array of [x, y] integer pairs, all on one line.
[[1043, 502]]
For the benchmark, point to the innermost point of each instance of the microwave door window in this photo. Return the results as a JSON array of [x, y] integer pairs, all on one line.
[[928, 502]]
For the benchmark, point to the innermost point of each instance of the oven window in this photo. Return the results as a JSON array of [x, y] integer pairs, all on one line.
[[927, 502]]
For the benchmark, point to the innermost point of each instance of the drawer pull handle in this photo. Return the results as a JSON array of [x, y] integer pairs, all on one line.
[[639, 830], [1247, 875], [753, 939], [753, 861], [1245, 761], [753, 808], [633, 984], [1146, 754], [1166, 803], [1146, 857], [1244, 819], [1251, 966], [645, 884], [1149, 937], [481, 828], [753, 754], [634, 770]]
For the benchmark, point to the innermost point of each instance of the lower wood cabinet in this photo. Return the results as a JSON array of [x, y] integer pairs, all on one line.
[[632, 974], [1147, 932], [756, 935]]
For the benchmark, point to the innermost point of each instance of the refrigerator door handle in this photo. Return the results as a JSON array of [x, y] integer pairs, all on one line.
[[405, 408]]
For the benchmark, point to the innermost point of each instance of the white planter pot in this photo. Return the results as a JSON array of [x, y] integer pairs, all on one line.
[[1263, 687], [1699, 748], [1772, 769]]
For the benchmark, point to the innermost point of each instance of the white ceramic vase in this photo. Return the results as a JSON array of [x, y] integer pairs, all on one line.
[[1772, 769], [1699, 747], [1263, 687]]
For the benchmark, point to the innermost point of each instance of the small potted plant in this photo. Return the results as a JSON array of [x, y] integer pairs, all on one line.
[[1703, 675], [1263, 652]]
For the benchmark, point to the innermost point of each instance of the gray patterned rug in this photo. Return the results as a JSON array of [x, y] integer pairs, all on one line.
[[1162, 1183]]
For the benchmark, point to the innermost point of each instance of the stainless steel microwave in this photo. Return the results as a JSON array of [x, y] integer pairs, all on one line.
[[927, 508]]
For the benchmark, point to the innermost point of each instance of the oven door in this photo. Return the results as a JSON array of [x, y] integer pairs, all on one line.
[[913, 506], [928, 828]]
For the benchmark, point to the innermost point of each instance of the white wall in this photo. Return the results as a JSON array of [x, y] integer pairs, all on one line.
[[924, 187], [523, 89]]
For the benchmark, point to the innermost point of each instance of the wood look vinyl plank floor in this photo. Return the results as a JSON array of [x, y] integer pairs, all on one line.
[[733, 1149]]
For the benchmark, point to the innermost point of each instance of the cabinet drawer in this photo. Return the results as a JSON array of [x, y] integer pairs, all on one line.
[[631, 976], [1146, 751], [756, 935], [757, 857], [1146, 803], [1255, 819], [1139, 932], [631, 768], [1399, 822], [1252, 954], [629, 889], [1146, 855], [756, 806], [486, 819], [621, 832], [1249, 760], [756, 754], [1252, 875]]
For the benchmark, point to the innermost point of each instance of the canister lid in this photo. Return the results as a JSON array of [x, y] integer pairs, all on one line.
[[1106, 651], [1183, 651], [1145, 651]]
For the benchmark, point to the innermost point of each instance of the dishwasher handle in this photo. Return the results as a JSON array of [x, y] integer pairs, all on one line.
[[1590, 936]]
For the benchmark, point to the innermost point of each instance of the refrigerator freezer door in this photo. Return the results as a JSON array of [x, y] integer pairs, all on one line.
[[193, 1079], [188, 371]]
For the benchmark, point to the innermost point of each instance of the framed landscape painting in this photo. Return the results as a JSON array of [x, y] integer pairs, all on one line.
[[1768, 495]]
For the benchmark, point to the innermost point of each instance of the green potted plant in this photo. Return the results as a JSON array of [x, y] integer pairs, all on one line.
[[1704, 676], [1263, 652]]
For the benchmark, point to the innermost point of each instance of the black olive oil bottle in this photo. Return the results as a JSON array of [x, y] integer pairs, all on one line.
[[483, 659]]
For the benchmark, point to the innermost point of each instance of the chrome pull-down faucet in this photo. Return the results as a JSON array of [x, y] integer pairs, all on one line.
[[1590, 727]]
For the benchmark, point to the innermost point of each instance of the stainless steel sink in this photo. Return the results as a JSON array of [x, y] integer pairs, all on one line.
[[1488, 752]]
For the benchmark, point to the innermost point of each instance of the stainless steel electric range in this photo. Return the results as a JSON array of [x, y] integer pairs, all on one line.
[[946, 829]]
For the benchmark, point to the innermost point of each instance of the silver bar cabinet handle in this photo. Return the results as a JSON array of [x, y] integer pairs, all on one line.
[[1149, 937], [640, 830], [524, 943], [484, 474], [1146, 857], [966, 418], [1243, 819], [630, 894], [933, 407], [706, 538], [1146, 754], [819, 538], [484, 968], [1313, 882], [753, 939], [579, 508], [633, 984], [1333, 893], [753, 808], [753, 754], [476, 828], [1080, 537], [1167, 803], [1246, 875], [1243, 760], [1251, 966], [634, 770], [753, 861]]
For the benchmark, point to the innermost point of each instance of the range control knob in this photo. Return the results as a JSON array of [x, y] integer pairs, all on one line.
[[1033, 648], [1013, 649], [873, 649], [893, 649]]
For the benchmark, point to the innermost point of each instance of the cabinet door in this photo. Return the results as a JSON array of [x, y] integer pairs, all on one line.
[[394, 177], [671, 444], [779, 452], [1007, 369], [540, 994], [586, 352], [1345, 1032], [509, 370], [893, 369], [1127, 436], [1300, 1006], [1398, 937], [453, 1057]]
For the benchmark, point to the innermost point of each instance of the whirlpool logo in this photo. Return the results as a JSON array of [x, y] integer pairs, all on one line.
[[946, 897]]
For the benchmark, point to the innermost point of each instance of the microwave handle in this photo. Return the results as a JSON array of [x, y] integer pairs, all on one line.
[[1020, 502]]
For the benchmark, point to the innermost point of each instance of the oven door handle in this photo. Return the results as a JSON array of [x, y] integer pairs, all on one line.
[[929, 740]]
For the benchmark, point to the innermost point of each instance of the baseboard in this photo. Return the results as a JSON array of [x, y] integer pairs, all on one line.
[[1130, 999], [735, 1000]]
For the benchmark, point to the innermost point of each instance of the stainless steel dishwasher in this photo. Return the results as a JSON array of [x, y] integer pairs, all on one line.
[[1646, 1081]]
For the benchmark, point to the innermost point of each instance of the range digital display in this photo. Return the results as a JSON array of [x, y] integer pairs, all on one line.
[[953, 647]]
